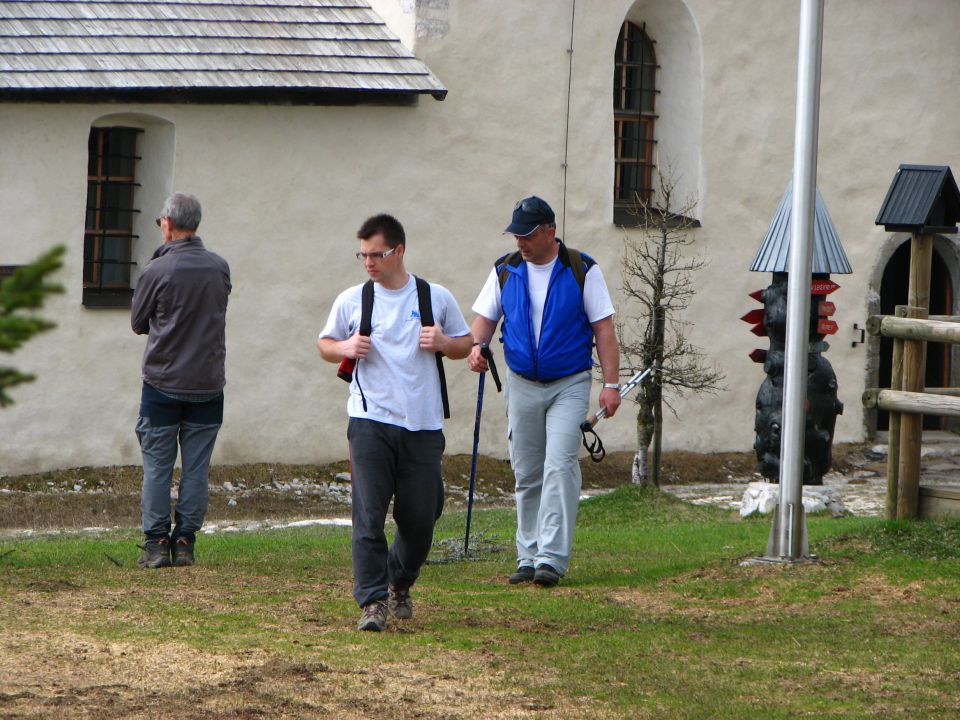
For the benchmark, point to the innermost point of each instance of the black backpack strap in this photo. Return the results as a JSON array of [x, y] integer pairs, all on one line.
[[579, 263], [508, 260], [348, 368], [366, 308], [426, 320]]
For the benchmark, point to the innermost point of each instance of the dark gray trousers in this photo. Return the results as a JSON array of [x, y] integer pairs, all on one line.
[[389, 462]]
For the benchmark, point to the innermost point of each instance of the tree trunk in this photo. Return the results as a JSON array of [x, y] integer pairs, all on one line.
[[657, 442], [640, 473]]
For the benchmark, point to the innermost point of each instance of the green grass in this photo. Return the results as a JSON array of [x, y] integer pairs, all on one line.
[[657, 618]]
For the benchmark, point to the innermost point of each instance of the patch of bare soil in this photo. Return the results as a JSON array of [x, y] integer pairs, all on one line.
[[70, 675], [74, 676]]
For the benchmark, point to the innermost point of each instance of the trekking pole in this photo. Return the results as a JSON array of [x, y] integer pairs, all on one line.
[[595, 447], [485, 352]]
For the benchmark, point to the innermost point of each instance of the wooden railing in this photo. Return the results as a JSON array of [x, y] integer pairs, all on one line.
[[907, 400]]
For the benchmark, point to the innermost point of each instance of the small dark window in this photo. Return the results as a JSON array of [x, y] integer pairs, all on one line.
[[108, 231], [634, 95]]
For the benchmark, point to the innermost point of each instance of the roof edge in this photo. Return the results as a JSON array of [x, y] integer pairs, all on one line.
[[220, 96]]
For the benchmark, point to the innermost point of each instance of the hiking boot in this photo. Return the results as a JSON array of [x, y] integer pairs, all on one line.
[[182, 552], [156, 554], [399, 603], [546, 576], [374, 616], [524, 574]]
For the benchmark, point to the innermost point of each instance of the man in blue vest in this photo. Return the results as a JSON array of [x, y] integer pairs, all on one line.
[[555, 305]]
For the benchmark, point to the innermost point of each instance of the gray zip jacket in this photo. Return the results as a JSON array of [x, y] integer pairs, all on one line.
[[181, 301]]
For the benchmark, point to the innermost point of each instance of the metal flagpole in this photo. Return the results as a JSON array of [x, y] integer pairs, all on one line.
[[788, 536]]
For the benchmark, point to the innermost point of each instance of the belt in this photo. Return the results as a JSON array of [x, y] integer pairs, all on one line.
[[549, 382]]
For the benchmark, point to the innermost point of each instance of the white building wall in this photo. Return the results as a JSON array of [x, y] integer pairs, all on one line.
[[284, 189]]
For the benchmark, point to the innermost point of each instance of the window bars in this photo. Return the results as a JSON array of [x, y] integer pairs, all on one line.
[[634, 95], [108, 229]]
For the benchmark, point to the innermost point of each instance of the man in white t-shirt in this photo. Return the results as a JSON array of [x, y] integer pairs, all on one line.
[[552, 316], [396, 414]]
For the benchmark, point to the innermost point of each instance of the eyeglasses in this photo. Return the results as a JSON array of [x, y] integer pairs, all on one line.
[[159, 220], [362, 256]]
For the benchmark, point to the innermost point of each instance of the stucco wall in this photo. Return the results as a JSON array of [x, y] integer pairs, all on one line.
[[284, 189]]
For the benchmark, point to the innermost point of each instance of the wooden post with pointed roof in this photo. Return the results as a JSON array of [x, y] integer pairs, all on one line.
[[922, 200], [823, 406]]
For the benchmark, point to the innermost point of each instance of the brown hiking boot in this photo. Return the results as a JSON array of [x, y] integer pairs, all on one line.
[[399, 603], [182, 552], [546, 576], [156, 554], [524, 574], [374, 616]]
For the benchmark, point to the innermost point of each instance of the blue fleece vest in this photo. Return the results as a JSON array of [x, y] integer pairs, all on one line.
[[566, 336]]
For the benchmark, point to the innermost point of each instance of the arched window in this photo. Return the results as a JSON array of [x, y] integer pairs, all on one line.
[[111, 209], [634, 95], [129, 173]]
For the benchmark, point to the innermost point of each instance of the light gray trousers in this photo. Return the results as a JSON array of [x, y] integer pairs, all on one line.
[[544, 432]]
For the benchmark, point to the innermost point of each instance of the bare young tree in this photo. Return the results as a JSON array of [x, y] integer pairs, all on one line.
[[658, 277]]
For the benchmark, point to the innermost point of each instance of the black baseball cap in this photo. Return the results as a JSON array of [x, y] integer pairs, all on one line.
[[529, 214]]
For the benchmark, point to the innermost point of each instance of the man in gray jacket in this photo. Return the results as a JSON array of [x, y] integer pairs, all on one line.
[[180, 303]]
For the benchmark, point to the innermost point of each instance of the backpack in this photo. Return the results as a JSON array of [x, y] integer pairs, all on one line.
[[426, 320], [568, 256]]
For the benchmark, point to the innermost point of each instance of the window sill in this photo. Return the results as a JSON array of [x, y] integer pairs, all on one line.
[[626, 218], [95, 298]]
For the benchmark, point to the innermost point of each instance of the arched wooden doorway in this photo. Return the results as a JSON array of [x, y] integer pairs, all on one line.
[[893, 292]]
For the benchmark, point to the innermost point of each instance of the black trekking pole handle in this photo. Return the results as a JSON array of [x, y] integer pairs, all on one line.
[[488, 355]]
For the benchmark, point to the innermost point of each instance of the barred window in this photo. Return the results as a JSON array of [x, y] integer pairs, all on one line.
[[634, 95], [111, 206]]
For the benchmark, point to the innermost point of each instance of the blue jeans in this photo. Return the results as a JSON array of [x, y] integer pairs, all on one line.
[[164, 421], [390, 462]]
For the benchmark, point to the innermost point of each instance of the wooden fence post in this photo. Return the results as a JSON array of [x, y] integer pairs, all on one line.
[[893, 425], [914, 365]]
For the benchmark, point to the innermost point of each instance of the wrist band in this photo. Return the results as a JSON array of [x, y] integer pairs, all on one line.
[[611, 386]]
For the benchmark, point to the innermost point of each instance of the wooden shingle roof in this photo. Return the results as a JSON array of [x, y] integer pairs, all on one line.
[[206, 50]]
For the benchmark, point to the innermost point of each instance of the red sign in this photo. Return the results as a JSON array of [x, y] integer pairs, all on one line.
[[826, 308], [754, 316], [826, 327], [758, 355], [757, 295], [823, 287], [759, 330]]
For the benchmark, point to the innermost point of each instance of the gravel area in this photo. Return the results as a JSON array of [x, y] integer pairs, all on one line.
[[863, 490]]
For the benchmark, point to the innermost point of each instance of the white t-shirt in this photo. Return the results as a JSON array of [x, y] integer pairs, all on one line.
[[596, 298], [399, 380]]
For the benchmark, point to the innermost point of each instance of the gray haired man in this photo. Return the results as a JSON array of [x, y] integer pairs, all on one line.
[[180, 303]]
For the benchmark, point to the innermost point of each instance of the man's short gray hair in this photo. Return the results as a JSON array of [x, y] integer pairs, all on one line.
[[183, 211]]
